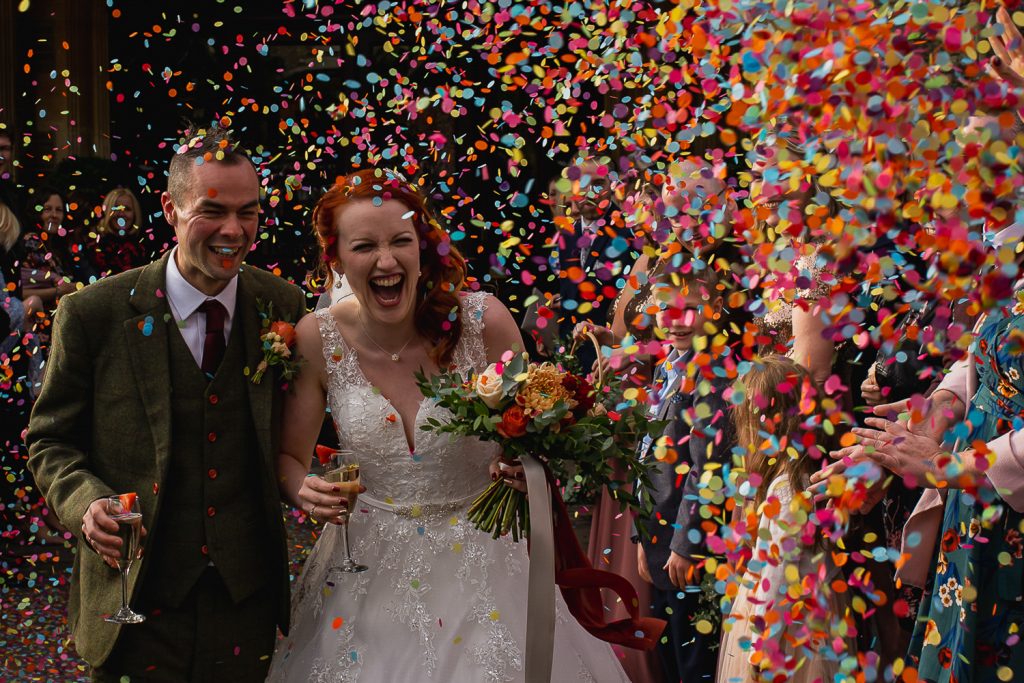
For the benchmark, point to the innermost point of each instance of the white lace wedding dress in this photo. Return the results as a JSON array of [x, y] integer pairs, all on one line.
[[441, 601]]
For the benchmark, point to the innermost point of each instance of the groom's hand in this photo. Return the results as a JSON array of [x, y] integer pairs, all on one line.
[[100, 532]]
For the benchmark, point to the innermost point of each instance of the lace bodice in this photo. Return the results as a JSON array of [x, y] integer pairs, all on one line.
[[440, 473]]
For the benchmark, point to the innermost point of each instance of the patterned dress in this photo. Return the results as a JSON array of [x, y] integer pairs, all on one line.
[[970, 627]]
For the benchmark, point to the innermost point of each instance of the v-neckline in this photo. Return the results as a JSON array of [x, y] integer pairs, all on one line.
[[380, 392]]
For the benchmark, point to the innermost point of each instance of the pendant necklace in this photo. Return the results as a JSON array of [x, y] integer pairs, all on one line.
[[396, 356]]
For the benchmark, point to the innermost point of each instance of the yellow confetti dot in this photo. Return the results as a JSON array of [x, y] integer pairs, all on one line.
[[495, 615], [703, 626], [457, 548], [457, 640], [1004, 673]]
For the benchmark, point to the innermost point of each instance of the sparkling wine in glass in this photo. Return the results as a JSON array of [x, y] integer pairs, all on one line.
[[129, 529], [347, 471]]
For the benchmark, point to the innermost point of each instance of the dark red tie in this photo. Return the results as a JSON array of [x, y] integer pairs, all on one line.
[[213, 345]]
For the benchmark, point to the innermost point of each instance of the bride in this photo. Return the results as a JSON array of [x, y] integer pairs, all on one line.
[[440, 601]]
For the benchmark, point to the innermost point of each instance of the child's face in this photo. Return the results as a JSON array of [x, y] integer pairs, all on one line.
[[684, 316]]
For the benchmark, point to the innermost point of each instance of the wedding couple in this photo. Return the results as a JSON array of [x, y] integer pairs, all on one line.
[[150, 389]]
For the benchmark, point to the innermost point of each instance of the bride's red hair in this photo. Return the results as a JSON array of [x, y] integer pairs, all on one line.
[[442, 268]]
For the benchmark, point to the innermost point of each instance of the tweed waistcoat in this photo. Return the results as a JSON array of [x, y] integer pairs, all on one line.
[[214, 507]]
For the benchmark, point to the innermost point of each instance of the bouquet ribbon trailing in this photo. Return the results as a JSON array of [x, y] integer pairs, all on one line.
[[557, 558]]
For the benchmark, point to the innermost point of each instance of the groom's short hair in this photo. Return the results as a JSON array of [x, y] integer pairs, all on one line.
[[198, 146]]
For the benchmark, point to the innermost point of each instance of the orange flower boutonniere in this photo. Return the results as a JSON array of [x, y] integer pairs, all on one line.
[[278, 337]]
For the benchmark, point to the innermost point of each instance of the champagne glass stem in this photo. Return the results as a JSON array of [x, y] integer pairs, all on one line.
[[348, 553], [124, 588]]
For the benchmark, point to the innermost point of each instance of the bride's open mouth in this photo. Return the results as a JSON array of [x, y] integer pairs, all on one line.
[[387, 290]]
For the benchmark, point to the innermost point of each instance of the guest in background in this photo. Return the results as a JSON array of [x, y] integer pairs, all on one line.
[[785, 611], [118, 245], [46, 266], [597, 254], [963, 541], [793, 320], [22, 516], [698, 437]]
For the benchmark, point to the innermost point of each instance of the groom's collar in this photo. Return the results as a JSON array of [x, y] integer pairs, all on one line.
[[185, 299]]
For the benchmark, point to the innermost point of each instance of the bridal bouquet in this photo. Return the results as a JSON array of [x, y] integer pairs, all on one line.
[[586, 435]]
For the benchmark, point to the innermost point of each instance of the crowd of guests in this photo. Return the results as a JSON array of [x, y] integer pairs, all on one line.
[[841, 543]]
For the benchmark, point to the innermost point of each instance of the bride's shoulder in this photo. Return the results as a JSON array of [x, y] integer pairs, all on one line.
[[482, 310], [344, 311], [499, 329]]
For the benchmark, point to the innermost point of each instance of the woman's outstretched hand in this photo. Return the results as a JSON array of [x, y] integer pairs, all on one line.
[[894, 446], [1008, 63], [931, 417]]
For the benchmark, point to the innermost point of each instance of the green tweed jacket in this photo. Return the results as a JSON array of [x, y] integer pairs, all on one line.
[[102, 423]]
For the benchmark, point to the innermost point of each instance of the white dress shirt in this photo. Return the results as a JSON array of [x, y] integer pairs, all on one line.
[[185, 301]]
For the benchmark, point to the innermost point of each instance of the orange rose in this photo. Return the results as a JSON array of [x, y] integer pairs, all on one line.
[[286, 331], [513, 422]]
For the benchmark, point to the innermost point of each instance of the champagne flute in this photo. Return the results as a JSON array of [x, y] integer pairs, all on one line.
[[347, 471], [129, 529]]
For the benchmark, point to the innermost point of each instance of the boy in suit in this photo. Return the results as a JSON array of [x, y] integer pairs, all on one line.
[[687, 394]]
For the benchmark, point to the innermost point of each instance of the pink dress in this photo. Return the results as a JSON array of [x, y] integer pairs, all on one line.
[[611, 549]]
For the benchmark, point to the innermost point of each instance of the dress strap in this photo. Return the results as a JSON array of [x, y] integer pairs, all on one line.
[[473, 306], [470, 353], [332, 342]]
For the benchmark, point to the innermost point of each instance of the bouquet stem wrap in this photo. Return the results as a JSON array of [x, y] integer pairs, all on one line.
[[557, 558]]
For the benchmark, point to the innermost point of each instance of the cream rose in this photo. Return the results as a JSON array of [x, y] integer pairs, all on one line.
[[488, 386]]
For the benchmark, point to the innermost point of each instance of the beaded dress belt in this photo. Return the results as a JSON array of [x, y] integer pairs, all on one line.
[[415, 510]]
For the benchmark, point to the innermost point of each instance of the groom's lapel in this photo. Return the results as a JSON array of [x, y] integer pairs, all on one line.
[[261, 396], [147, 338]]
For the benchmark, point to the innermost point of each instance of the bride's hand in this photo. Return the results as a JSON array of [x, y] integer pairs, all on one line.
[[511, 472], [325, 501]]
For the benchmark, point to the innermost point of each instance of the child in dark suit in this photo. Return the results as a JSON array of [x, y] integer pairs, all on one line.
[[686, 393]]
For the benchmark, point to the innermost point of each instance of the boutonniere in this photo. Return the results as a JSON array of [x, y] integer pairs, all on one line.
[[278, 337]]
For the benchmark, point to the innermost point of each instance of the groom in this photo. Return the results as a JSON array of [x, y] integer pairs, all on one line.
[[148, 390]]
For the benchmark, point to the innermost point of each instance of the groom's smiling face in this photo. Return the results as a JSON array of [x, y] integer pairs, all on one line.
[[215, 222]]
